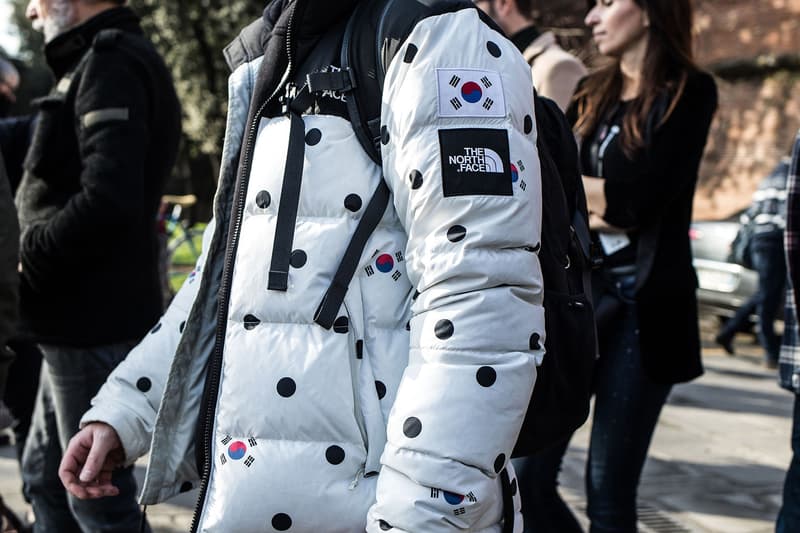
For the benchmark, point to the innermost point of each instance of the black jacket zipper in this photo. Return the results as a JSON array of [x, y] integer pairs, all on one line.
[[215, 365]]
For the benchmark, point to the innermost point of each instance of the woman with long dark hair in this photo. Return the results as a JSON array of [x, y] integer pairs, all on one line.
[[642, 119]]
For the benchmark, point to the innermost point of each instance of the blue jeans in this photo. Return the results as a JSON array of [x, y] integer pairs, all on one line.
[[627, 404], [769, 261], [70, 378], [789, 515]]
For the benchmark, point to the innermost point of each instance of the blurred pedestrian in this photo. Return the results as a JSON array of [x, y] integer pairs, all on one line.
[[104, 143], [9, 82], [555, 71], [374, 408], [764, 223], [642, 119], [9, 282], [9, 237], [9, 295], [23, 373], [789, 363]]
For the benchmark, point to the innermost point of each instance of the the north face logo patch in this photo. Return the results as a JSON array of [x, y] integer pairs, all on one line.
[[475, 161]]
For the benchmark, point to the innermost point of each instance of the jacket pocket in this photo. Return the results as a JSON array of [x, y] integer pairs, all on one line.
[[365, 396], [54, 146]]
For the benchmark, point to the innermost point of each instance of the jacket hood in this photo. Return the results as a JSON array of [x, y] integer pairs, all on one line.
[[66, 49]]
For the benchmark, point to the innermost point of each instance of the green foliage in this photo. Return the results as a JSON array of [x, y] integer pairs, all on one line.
[[191, 35], [31, 41], [35, 77]]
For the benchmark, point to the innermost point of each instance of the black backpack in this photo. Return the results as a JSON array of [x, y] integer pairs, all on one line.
[[560, 402]]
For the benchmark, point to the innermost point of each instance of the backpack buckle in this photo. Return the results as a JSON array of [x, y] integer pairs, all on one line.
[[341, 81], [289, 94]]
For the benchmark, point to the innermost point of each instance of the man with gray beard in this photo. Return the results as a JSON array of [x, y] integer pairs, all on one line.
[[104, 143]]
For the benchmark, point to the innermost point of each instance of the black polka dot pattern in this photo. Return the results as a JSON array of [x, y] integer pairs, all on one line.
[[353, 202], [486, 376], [144, 384], [534, 342], [286, 387], [263, 199], [334, 455], [313, 137], [341, 325], [381, 388], [514, 487], [500, 462], [298, 259], [412, 427], [186, 486], [456, 233], [411, 52], [528, 124], [384, 135], [281, 522], [444, 329], [384, 525], [408, 326], [250, 322], [493, 49], [415, 177], [156, 328], [180, 328]]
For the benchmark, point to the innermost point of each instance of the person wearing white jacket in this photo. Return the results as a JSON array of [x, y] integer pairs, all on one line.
[[404, 414]]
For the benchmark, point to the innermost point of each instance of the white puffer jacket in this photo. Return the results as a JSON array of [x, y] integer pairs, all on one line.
[[404, 413]]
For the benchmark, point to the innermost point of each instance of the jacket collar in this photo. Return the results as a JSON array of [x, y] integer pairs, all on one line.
[[539, 45], [65, 50], [311, 19], [525, 36]]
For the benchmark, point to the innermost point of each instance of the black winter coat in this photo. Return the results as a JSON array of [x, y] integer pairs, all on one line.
[[105, 142], [653, 193]]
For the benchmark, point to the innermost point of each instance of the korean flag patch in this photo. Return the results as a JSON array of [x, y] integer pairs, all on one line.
[[470, 93]]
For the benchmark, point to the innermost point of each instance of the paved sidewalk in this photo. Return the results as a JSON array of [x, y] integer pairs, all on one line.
[[716, 464]]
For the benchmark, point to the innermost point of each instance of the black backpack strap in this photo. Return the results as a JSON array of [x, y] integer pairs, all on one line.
[[374, 35], [367, 132], [581, 226], [508, 502], [342, 81], [287, 209], [334, 296], [375, 32]]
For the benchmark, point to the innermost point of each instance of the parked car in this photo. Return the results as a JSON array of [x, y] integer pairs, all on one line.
[[723, 285]]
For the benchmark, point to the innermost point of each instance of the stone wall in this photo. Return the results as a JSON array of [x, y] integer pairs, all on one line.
[[753, 48], [759, 111]]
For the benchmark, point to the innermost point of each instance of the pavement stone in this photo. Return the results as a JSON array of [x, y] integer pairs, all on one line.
[[716, 464]]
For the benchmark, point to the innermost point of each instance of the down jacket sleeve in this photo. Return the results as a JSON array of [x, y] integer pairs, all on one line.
[[130, 397], [459, 155]]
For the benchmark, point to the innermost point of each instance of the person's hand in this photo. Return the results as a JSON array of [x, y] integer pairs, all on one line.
[[597, 223], [90, 458], [594, 188]]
